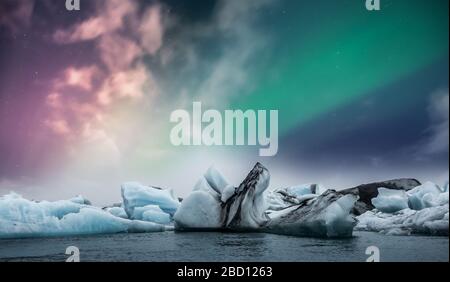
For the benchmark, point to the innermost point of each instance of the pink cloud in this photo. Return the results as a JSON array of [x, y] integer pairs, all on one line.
[[123, 38], [124, 84], [118, 52], [80, 77], [110, 17], [59, 126], [151, 30], [54, 100]]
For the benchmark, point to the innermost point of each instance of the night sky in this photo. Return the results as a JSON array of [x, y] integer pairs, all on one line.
[[85, 96]]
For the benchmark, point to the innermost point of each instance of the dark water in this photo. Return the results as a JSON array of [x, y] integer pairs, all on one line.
[[170, 246]]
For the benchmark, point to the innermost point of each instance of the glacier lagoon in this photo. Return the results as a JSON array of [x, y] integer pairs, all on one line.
[[173, 246], [319, 224]]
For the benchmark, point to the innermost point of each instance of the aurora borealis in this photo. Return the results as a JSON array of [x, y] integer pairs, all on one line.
[[85, 96]]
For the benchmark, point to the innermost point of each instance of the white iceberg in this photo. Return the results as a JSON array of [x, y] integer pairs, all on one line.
[[427, 212], [389, 200], [424, 196], [247, 208], [200, 210], [328, 215], [402, 207], [429, 221], [152, 213], [137, 195], [21, 218]]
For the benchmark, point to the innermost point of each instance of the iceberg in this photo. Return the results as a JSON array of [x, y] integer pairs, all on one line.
[[136, 195], [21, 218], [152, 213], [202, 209], [199, 211], [428, 221], [424, 196], [393, 207], [367, 192], [390, 200], [328, 215], [248, 208], [422, 210], [305, 210]]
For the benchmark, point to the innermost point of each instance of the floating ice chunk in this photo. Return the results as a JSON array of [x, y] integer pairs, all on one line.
[[117, 211], [21, 218], [137, 195], [246, 209], [369, 191], [200, 210], [15, 208], [432, 221], [338, 219], [151, 213], [389, 200], [423, 196], [328, 215]]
